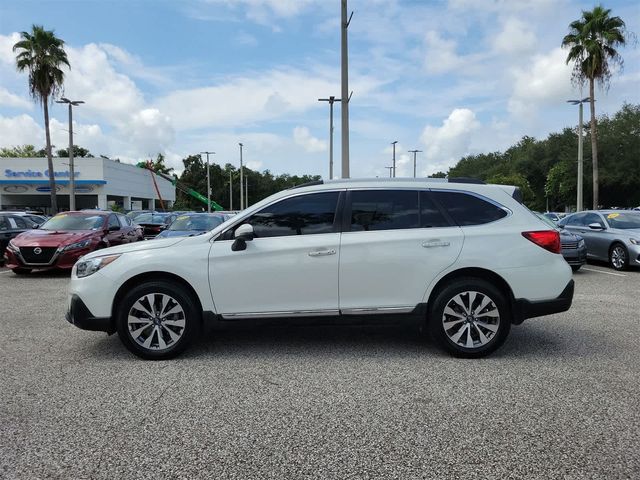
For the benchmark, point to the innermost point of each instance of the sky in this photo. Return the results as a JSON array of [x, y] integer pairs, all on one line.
[[449, 77]]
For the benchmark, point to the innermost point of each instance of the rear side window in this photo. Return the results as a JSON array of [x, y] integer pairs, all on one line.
[[301, 215], [466, 209], [384, 210], [20, 223]]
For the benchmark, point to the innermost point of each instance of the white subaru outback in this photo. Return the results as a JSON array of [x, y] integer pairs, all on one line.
[[466, 260]]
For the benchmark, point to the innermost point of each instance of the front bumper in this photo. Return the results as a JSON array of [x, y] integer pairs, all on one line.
[[575, 256], [64, 260], [523, 308], [79, 315]]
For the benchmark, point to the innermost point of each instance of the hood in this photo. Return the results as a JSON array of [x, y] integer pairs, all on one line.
[[137, 246], [52, 238], [181, 233]]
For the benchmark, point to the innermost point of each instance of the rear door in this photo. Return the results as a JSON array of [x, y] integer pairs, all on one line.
[[394, 243]]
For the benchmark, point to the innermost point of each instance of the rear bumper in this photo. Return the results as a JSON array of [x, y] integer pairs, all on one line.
[[523, 309], [575, 257], [79, 315]]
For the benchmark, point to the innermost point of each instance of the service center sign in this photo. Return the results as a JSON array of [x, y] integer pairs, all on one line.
[[35, 174]]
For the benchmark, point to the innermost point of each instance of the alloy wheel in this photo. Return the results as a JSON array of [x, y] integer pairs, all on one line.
[[618, 257], [156, 321], [471, 319]]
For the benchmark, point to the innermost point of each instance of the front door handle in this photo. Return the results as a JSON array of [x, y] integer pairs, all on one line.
[[435, 243], [322, 253]]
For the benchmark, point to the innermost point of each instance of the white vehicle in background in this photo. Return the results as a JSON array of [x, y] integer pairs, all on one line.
[[465, 260]]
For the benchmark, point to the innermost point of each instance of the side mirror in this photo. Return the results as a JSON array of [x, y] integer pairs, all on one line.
[[243, 234], [596, 226], [114, 228], [35, 226], [560, 226]]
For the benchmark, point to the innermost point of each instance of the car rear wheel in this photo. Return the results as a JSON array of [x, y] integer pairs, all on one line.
[[157, 320], [575, 268], [618, 256], [470, 318]]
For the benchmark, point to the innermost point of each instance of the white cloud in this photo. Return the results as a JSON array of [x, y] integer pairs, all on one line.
[[515, 37], [9, 99], [302, 136], [20, 130], [444, 145], [7, 42], [547, 81], [440, 56]]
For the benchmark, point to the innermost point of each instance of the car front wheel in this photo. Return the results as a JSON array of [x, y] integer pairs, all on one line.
[[470, 318], [157, 320], [618, 257]]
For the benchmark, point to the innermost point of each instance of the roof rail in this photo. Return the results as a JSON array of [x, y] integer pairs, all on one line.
[[307, 184], [475, 181]]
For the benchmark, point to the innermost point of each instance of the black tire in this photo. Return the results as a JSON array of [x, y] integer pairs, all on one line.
[[159, 290], [621, 261], [575, 268], [497, 303], [21, 271]]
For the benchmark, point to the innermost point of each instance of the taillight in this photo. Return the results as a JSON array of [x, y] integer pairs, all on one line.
[[547, 239]]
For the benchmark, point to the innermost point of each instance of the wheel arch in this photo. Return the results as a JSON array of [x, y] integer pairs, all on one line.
[[153, 276], [475, 272]]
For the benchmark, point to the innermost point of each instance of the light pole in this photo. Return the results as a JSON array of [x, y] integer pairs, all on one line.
[[331, 99], [72, 179], [230, 191], [344, 50], [390, 170], [394, 158], [246, 191], [241, 179], [579, 199], [414, 160], [208, 181]]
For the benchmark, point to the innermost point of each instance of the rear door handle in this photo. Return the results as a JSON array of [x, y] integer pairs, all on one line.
[[435, 243], [322, 253]]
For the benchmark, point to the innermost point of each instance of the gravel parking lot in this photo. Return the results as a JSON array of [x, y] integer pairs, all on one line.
[[561, 399]]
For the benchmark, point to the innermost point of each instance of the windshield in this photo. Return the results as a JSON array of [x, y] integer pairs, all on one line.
[[150, 218], [196, 222], [625, 221], [74, 222]]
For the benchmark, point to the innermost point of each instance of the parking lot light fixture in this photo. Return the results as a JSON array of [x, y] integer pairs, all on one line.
[[241, 179], [390, 170], [72, 180], [331, 101], [579, 196], [394, 157], [414, 160], [208, 181]]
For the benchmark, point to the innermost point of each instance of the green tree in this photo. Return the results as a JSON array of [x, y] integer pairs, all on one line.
[[21, 151], [592, 42], [42, 55], [78, 152]]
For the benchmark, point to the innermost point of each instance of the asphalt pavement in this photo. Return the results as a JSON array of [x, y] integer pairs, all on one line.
[[561, 399]]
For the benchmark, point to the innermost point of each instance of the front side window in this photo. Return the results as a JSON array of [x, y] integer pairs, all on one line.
[[590, 218], [467, 209], [373, 210], [20, 223], [124, 221], [113, 221], [301, 215]]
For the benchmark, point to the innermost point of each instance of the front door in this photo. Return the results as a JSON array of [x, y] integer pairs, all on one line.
[[397, 242], [290, 268]]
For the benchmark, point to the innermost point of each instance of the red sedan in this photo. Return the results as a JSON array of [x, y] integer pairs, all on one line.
[[63, 239]]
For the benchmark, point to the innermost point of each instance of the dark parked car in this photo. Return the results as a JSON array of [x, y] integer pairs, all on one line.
[[154, 223], [10, 227], [610, 235], [574, 249], [62, 239], [34, 217], [192, 224]]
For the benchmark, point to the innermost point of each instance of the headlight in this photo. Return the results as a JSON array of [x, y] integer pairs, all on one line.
[[74, 246], [581, 243], [12, 247], [634, 241], [84, 268]]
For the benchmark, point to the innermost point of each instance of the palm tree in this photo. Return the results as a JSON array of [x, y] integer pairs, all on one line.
[[42, 55], [591, 42]]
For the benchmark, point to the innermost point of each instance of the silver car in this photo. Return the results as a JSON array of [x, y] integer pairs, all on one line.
[[610, 235]]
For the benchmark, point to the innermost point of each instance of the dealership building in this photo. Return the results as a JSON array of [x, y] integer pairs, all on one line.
[[99, 183]]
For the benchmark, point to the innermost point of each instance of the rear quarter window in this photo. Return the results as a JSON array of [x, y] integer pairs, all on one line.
[[466, 209]]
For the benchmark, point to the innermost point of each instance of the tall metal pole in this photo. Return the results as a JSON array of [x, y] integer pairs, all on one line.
[[230, 192], [579, 194], [72, 177], [414, 160], [394, 158], [246, 191], [72, 180], [241, 180], [580, 200], [345, 91], [208, 182], [390, 170], [331, 101]]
